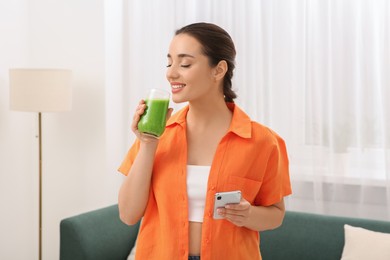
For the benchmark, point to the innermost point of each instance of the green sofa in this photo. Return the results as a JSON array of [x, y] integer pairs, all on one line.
[[100, 235]]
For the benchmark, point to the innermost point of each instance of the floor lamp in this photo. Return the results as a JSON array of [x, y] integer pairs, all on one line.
[[40, 90]]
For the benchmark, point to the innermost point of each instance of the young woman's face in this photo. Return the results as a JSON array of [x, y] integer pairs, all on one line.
[[189, 72]]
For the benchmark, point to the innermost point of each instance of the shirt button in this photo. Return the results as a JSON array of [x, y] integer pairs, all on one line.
[[209, 214], [207, 241], [212, 187]]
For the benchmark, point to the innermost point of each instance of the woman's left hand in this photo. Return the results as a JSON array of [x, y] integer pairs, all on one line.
[[237, 214]]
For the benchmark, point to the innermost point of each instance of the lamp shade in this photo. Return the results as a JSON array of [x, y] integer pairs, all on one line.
[[40, 90]]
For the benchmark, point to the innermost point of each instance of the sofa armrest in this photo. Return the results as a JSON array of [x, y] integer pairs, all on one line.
[[97, 234]]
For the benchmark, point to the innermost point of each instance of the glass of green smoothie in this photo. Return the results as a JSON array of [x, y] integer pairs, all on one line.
[[153, 120]]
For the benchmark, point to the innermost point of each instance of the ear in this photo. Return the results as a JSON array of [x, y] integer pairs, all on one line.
[[220, 70]]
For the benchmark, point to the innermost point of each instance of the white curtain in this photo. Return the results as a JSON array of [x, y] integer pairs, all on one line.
[[316, 71]]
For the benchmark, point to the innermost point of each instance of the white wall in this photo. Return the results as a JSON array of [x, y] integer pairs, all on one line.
[[76, 176]]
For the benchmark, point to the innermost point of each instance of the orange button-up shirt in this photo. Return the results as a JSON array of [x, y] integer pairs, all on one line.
[[250, 158]]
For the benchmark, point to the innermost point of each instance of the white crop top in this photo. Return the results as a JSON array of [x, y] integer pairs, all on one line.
[[197, 177]]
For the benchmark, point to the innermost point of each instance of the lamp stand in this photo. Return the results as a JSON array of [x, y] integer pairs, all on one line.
[[40, 182], [40, 90]]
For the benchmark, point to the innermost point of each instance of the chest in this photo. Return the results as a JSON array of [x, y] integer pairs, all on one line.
[[202, 145]]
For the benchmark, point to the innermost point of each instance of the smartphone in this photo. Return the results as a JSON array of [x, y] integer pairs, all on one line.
[[223, 198]]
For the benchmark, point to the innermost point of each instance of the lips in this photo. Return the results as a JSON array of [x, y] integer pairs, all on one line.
[[177, 86]]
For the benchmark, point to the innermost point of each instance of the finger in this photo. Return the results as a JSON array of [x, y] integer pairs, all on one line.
[[238, 221], [236, 206], [235, 218], [243, 205], [134, 124], [140, 109], [141, 104], [136, 118], [231, 212]]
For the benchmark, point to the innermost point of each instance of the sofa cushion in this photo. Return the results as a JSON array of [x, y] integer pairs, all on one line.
[[312, 236], [362, 243]]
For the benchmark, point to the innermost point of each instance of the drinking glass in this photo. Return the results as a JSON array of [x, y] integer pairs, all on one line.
[[153, 120]]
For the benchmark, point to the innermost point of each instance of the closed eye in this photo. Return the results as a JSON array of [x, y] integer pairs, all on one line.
[[183, 66]]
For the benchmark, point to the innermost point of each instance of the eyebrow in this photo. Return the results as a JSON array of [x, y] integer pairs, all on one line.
[[182, 55]]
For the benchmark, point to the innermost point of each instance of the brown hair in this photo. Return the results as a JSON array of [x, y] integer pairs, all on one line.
[[217, 45]]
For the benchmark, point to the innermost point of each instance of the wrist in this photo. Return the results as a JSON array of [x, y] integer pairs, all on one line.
[[148, 144]]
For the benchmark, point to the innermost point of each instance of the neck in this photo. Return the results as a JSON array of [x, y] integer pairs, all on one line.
[[207, 112]]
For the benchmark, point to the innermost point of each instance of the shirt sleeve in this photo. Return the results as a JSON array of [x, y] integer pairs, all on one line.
[[124, 168], [276, 182]]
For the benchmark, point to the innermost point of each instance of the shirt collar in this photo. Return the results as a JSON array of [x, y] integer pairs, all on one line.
[[240, 125]]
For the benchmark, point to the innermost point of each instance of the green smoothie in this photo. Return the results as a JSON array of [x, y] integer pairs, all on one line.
[[153, 119]]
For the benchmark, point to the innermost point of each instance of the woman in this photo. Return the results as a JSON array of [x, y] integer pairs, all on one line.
[[209, 146]]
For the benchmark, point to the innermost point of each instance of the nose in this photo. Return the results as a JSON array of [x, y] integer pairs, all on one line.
[[172, 73]]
